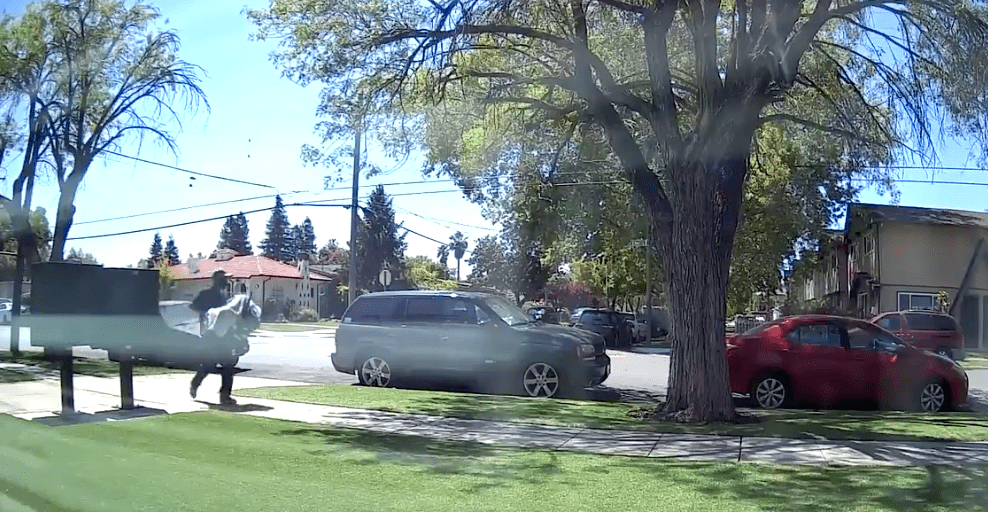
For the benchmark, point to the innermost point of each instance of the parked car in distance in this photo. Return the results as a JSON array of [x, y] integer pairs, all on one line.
[[827, 360], [479, 338], [610, 325], [543, 314], [930, 330], [639, 329]]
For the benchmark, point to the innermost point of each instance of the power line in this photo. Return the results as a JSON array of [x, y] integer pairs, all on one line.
[[195, 173], [191, 222], [443, 223]]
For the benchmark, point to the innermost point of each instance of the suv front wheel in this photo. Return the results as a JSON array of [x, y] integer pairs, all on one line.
[[541, 379]]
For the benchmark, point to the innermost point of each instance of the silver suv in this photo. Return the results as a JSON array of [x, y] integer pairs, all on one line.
[[465, 337]]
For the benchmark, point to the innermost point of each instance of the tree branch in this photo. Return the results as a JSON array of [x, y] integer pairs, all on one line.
[[817, 126]]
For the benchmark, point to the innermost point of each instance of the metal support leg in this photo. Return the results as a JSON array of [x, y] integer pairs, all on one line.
[[64, 358], [126, 382]]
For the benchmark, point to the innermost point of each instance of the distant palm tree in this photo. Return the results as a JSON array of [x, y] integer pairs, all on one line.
[[458, 243], [443, 254]]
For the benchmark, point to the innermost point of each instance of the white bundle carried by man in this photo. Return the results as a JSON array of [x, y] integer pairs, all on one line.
[[237, 319]]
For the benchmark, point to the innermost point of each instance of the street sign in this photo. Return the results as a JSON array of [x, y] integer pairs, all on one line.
[[385, 277]]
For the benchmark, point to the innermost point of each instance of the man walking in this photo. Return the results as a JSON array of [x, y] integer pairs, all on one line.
[[213, 297]]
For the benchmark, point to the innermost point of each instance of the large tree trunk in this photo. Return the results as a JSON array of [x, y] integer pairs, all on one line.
[[63, 219], [696, 247]]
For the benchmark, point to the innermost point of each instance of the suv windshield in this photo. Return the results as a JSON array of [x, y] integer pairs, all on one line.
[[511, 314]]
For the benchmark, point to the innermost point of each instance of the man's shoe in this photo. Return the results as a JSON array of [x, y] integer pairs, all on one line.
[[227, 401], [193, 391]]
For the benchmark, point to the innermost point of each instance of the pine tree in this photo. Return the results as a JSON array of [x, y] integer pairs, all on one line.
[[378, 241], [296, 242], [171, 252], [235, 235], [156, 251], [277, 243], [304, 238], [243, 235], [226, 233]]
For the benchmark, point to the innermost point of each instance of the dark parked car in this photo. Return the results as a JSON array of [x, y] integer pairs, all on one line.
[[936, 332], [828, 360], [615, 329], [465, 337], [543, 314]]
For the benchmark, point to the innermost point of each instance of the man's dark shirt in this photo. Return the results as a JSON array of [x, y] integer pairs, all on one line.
[[208, 299]]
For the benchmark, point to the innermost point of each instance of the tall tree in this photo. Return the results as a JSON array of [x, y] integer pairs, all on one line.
[[378, 241], [118, 79], [171, 254], [442, 253], [80, 256], [156, 253], [332, 254], [425, 274], [9, 240], [235, 235], [304, 239], [277, 243], [458, 244], [679, 89]]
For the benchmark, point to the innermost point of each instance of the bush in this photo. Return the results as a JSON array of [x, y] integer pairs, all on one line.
[[304, 315], [270, 309]]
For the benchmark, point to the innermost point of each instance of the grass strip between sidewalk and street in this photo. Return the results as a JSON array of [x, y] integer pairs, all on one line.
[[83, 365], [215, 461], [297, 327], [974, 361], [800, 424]]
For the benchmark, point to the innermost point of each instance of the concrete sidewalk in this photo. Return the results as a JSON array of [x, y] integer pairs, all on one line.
[[97, 399]]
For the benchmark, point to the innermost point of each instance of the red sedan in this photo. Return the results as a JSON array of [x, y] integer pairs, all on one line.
[[829, 360]]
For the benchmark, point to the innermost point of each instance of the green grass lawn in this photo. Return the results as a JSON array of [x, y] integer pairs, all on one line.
[[212, 461], [10, 376], [974, 361], [805, 424], [83, 366], [298, 327]]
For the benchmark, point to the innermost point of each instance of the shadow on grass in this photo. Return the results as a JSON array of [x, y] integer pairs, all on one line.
[[814, 488], [485, 463], [84, 365]]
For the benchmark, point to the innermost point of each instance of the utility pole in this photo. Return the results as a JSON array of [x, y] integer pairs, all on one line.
[[648, 279], [352, 284]]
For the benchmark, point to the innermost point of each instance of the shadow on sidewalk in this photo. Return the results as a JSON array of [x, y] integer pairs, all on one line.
[[79, 418], [235, 408]]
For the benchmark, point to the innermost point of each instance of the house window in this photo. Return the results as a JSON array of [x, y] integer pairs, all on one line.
[[243, 287], [909, 300], [278, 293]]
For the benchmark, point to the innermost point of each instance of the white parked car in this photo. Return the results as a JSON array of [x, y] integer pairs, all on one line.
[[6, 309]]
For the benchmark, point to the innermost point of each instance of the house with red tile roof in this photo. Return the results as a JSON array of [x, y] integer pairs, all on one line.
[[257, 276]]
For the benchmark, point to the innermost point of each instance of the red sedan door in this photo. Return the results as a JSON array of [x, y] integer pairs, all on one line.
[[873, 361], [816, 365]]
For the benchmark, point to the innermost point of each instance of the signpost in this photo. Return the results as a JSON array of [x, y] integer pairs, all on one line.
[[385, 278]]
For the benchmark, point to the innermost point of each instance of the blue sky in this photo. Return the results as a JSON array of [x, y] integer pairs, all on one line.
[[254, 132]]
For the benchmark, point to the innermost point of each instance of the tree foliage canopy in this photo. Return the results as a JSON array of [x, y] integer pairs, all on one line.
[[677, 93]]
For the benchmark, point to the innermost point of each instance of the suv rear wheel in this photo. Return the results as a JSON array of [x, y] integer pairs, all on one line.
[[375, 372]]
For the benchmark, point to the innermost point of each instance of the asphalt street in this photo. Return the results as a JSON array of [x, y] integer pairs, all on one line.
[[639, 372]]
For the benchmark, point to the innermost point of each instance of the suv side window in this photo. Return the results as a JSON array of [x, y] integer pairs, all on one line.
[[441, 310], [920, 321], [824, 334], [374, 310], [891, 323], [944, 323]]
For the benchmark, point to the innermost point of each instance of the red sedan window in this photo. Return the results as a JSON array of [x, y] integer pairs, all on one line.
[[825, 334]]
